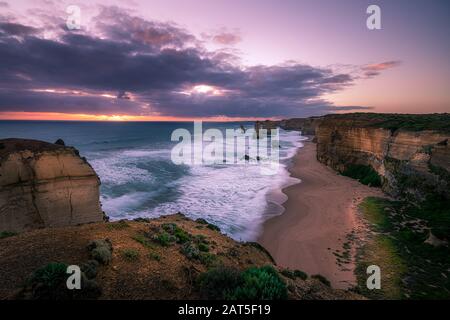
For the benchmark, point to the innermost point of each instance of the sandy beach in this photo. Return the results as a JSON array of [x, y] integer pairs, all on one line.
[[319, 215]]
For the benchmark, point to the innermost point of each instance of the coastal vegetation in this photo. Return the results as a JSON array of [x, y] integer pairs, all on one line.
[[293, 274], [130, 255], [364, 174], [118, 261], [254, 283], [7, 234], [410, 245], [322, 279], [411, 122]]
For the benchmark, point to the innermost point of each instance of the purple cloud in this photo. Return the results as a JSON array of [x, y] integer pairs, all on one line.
[[129, 65]]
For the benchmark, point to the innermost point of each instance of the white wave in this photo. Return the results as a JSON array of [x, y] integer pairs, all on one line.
[[235, 197], [119, 207], [119, 168]]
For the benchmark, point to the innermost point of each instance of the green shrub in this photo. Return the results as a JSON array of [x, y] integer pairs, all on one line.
[[101, 250], [208, 225], [49, 283], [180, 235], [260, 284], [164, 239], [142, 239], [130, 255], [219, 283], [200, 238], [203, 247], [364, 174], [293, 274], [213, 227], [322, 279], [190, 251], [300, 274], [252, 284], [201, 221], [169, 227], [90, 268], [288, 273], [198, 252], [208, 259], [50, 275], [7, 234], [154, 256]]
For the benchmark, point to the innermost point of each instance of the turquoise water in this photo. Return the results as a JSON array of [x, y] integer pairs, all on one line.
[[140, 180]]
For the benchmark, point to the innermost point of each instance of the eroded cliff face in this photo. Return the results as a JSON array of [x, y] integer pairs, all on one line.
[[45, 185], [412, 158], [306, 125], [411, 163]]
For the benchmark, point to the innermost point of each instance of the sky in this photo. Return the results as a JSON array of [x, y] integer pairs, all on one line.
[[221, 60]]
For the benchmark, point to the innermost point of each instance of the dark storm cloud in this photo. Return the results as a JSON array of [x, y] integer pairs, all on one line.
[[149, 68], [15, 29], [29, 101]]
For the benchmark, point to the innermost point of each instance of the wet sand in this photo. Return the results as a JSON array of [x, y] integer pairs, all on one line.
[[319, 214]]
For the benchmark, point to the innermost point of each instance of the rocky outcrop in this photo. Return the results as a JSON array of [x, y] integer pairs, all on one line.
[[45, 185]]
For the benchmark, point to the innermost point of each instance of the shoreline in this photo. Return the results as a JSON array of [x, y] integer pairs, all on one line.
[[319, 222]]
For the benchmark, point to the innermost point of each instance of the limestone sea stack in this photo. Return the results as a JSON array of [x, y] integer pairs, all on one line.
[[45, 185]]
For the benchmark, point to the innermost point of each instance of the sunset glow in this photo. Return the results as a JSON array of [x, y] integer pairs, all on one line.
[[89, 117], [149, 60]]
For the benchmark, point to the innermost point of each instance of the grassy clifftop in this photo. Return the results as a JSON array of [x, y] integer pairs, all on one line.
[[410, 245], [412, 122]]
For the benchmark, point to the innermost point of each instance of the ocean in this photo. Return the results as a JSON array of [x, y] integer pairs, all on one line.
[[133, 161]]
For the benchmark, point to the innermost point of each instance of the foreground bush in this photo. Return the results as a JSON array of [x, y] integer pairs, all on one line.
[[322, 279], [252, 284], [219, 283], [49, 283], [50, 275]]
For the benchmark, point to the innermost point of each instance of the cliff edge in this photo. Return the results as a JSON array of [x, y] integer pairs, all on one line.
[[409, 153], [411, 162], [45, 185]]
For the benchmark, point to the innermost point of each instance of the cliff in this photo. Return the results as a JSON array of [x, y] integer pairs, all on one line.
[[410, 163], [306, 125], [410, 153], [45, 185]]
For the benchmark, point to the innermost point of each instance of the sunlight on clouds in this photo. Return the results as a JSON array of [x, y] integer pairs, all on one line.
[[204, 89]]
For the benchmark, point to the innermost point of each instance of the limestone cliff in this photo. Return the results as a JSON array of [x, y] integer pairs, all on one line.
[[45, 185], [411, 153], [410, 163], [306, 125]]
